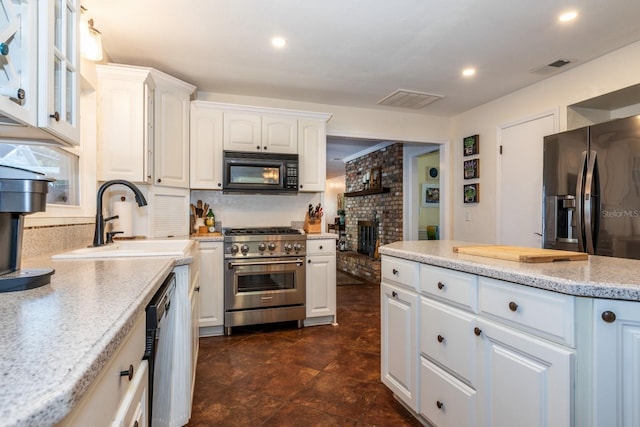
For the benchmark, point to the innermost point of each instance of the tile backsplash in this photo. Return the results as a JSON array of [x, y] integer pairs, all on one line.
[[51, 239]]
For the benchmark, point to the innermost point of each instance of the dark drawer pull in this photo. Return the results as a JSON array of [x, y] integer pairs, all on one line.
[[513, 306], [440, 338], [439, 404], [477, 331], [609, 316], [55, 116], [128, 373], [440, 285], [394, 294], [395, 272]]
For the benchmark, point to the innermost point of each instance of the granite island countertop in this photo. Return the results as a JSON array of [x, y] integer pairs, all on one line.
[[57, 338], [597, 277]]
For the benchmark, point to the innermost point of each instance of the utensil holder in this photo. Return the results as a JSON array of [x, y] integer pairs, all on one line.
[[312, 225]]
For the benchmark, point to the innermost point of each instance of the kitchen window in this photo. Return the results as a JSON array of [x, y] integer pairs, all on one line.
[[52, 161]]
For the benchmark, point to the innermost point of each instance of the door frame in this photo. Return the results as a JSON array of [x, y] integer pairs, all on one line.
[[555, 114]]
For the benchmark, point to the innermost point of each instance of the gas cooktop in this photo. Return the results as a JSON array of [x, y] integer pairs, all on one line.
[[261, 231]]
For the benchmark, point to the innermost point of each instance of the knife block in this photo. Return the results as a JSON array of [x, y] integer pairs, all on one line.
[[312, 225]]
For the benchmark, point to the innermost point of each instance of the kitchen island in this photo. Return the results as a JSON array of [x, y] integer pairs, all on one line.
[[57, 339], [477, 341]]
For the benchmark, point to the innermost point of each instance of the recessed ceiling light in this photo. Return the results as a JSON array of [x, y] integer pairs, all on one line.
[[568, 16], [278, 42], [468, 72]]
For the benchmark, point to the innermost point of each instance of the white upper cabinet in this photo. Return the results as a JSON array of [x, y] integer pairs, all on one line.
[[242, 132], [279, 134], [253, 132], [59, 68], [206, 146], [18, 66], [312, 151], [172, 105], [125, 123]]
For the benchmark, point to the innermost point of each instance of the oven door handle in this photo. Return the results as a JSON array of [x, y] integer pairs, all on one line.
[[248, 264]]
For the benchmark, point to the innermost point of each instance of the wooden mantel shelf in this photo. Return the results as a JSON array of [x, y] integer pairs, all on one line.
[[368, 192]]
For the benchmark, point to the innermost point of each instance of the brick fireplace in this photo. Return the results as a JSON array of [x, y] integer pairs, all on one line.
[[382, 211]]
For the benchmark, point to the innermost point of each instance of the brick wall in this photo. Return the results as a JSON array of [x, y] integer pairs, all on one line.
[[388, 207]]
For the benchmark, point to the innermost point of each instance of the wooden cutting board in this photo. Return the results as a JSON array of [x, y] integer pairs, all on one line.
[[521, 254]]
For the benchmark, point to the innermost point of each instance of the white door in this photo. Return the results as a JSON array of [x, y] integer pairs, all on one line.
[[520, 181]]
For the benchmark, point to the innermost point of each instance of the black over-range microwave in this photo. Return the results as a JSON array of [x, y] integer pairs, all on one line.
[[260, 172]]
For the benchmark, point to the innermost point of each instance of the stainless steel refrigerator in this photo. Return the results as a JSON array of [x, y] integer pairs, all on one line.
[[591, 186]]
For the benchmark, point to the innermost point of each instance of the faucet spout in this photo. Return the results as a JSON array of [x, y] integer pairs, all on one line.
[[98, 235]]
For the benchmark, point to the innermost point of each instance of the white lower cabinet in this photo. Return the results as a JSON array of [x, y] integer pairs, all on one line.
[[211, 295], [320, 282], [616, 381], [445, 401], [133, 410], [399, 364], [522, 380]]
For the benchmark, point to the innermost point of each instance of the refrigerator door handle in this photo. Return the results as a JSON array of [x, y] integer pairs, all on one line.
[[588, 211], [580, 203]]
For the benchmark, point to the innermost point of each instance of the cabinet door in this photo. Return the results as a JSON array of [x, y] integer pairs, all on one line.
[[242, 132], [19, 92], [279, 134], [616, 383], [399, 364], [206, 147], [134, 409], [59, 68], [312, 152], [522, 380], [125, 118], [321, 285], [211, 284], [171, 150]]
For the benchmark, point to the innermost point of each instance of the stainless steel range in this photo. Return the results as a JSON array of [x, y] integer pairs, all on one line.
[[264, 278]]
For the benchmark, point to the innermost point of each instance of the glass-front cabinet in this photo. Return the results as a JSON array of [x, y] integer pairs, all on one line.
[[59, 68]]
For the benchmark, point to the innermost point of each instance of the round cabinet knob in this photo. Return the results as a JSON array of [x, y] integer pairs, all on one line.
[[159, 180], [4, 49], [21, 93], [440, 338], [609, 316], [395, 272], [394, 294], [477, 331], [128, 373], [244, 249], [320, 247], [439, 404], [234, 249], [308, 261], [513, 306], [264, 148], [55, 116], [219, 184], [440, 285], [257, 147], [262, 247], [272, 246]]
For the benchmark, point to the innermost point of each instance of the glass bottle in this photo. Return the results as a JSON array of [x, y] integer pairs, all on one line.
[[210, 221]]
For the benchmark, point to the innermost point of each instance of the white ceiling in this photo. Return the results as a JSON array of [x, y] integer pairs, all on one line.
[[356, 52]]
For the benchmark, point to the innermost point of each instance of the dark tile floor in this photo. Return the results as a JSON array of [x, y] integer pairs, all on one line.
[[278, 375]]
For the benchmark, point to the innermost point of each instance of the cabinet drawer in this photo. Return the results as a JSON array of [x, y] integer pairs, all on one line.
[[321, 247], [452, 286], [445, 401], [544, 313], [400, 271], [446, 337]]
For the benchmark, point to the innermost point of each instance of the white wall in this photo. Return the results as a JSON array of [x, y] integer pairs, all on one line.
[[603, 75]]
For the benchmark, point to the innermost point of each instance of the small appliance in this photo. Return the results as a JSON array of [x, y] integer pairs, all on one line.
[[260, 173], [21, 192]]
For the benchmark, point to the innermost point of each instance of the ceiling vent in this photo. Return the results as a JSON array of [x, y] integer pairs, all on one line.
[[409, 99], [551, 68]]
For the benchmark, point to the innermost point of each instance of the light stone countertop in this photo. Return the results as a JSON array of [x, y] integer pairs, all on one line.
[[57, 338], [320, 236], [598, 277]]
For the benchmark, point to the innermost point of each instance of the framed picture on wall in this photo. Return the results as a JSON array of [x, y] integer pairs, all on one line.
[[430, 195], [471, 193], [471, 169], [376, 178], [471, 145]]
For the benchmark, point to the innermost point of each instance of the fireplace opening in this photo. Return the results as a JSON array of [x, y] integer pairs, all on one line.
[[367, 237]]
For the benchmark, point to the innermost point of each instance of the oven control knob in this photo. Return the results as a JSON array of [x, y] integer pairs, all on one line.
[[262, 247], [272, 246], [288, 247], [297, 247], [244, 249], [234, 249]]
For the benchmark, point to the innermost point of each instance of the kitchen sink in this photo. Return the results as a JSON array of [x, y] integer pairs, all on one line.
[[129, 248]]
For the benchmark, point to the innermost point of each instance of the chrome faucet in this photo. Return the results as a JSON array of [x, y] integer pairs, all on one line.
[[98, 235]]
